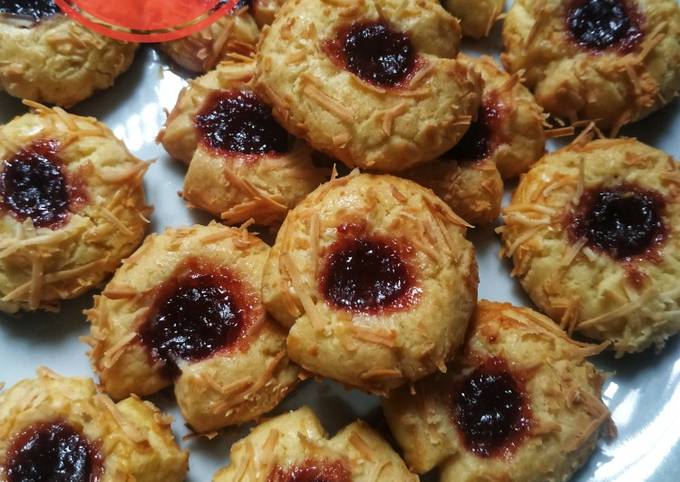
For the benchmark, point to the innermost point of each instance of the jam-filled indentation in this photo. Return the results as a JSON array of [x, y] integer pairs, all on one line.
[[603, 24], [197, 312], [491, 410], [368, 274], [34, 184], [53, 452], [313, 471], [33, 9], [237, 122], [623, 221], [480, 140], [375, 52]]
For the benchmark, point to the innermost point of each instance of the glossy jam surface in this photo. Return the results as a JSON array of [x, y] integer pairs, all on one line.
[[491, 410], [367, 273], [35, 9], [53, 452], [197, 312], [374, 52], [33, 185], [603, 24], [236, 122], [622, 221], [313, 471], [480, 140]]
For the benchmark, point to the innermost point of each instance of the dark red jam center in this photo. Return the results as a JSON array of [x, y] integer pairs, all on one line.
[[237, 122], [33, 185], [375, 52], [53, 452], [491, 410], [601, 24], [622, 221], [313, 471], [35, 9], [367, 273], [197, 312], [479, 141]]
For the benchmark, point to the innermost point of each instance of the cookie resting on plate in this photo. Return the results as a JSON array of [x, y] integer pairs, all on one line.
[[593, 233], [71, 207], [375, 279], [186, 309], [477, 17], [295, 447], [60, 429], [520, 404]]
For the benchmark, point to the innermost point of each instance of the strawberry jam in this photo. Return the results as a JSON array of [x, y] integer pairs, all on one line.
[[480, 140], [312, 471], [197, 312], [603, 24], [622, 221], [374, 52], [33, 184], [53, 452], [34, 9], [367, 273], [490, 409], [236, 122]]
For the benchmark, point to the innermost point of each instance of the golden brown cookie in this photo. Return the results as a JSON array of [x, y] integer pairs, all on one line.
[[295, 447], [63, 429], [613, 61], [373, 84], [375, 279], [477, 17], [47, 57], [186, 309], [593, 233], [71, 207], [521, 404]]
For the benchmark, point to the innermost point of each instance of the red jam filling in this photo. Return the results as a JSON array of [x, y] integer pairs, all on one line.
[[53, 452], [480, 140], [34, 9], [603, 24], [623, 221], [312, 471], [197, 312], [237, 122], [491, 410], [374, 52], [367, 274], [33, 184]]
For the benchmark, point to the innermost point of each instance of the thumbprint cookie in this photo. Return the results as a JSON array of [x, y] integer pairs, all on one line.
[[243, 164], [47, 57], [371, 83], [593, 233], [61, 429], [71, 207], [186, 309], [477, 17], [375, 279], [610, 61], [295, 447], [520, 404]]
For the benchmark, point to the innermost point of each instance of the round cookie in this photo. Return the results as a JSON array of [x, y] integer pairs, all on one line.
[[71, 207], [295, 447], [521, 404], [47, 57], [612, 61], [593, 233], [243, 163], [373, 84], [477, 17], [375, 279], [64, 430], [186, 309]]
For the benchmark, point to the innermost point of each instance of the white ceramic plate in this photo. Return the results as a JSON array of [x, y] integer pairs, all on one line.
[[643, 394]]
